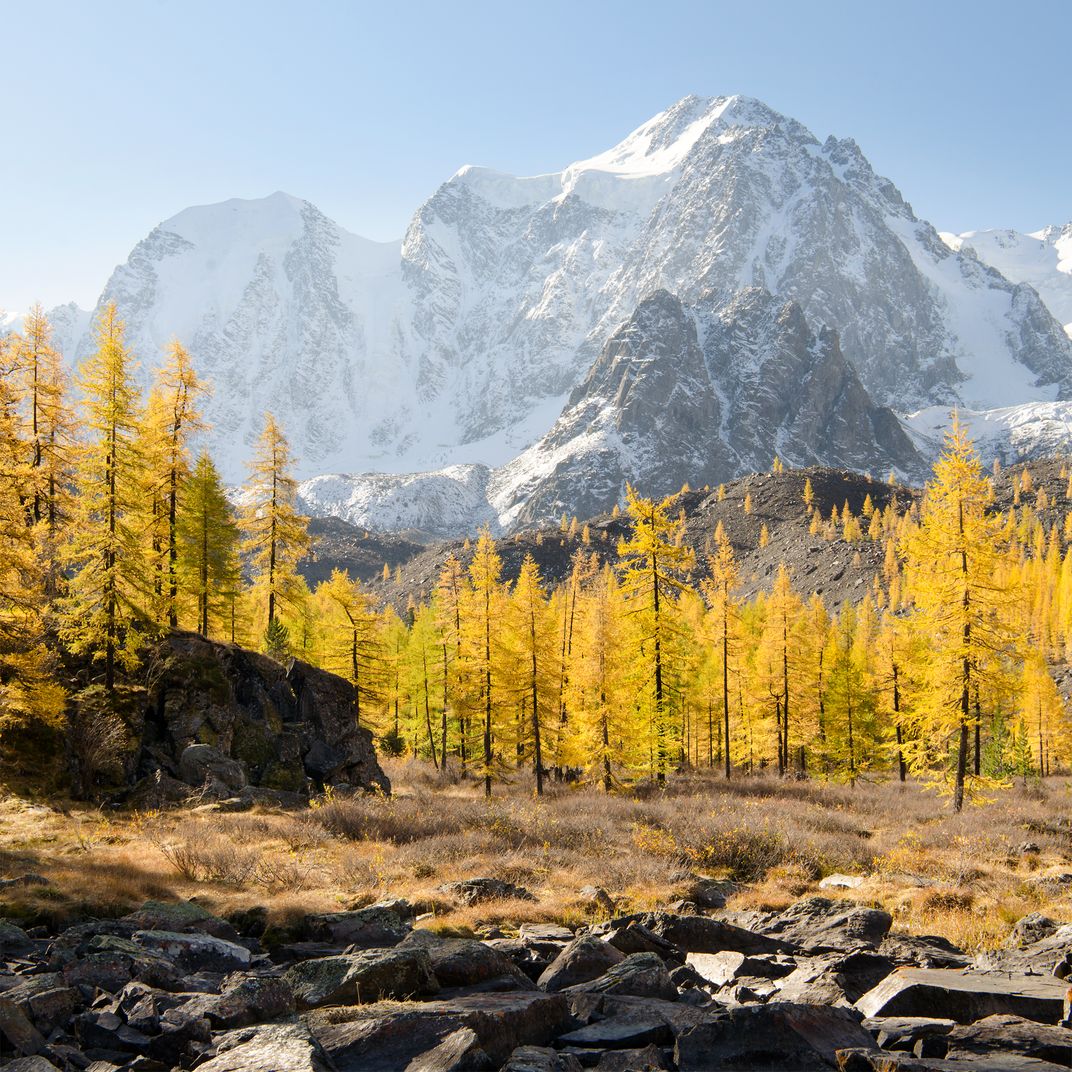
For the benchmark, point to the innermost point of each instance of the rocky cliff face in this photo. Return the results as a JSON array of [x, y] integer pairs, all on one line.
[[219, 716], [702, 395]]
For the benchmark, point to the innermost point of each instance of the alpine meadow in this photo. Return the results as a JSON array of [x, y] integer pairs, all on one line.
[[625, 623]]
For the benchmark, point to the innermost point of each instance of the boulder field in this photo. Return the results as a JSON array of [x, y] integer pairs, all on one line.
[[821, 985]]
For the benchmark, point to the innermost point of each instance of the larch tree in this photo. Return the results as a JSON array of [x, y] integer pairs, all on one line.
[[103, 612], [484, 572], [951, 566], [207, 543], [530, 633], [783, 606], [28, 697], [598, 682], [449, 601], [50, 426], [276, 534], [720, 591], [654, 561], [351, 643], [172, 416]]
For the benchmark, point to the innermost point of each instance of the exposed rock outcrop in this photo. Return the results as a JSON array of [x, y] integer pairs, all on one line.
[[227, 721]]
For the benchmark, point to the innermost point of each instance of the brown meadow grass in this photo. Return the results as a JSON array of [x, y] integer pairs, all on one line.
[[963, 876]]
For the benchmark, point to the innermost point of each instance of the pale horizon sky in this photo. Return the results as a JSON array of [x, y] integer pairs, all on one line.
[[122, 113]]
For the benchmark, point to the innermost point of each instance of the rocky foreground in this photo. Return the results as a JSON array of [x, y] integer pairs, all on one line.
[[822, 985]]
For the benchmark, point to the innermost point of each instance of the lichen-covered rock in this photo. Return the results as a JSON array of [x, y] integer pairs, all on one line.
[[374, 927], [195, 952], [181, 917], [462, 962], [357, 978], [218, 714], [268, 1048]]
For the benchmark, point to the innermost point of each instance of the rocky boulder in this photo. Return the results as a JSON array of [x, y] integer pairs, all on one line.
[[368, 976], [584, 959], [965, 996], [820, 925], [219, 716], [765, 1038]]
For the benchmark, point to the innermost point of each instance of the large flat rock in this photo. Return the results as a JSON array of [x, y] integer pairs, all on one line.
[[965, 996], [387, 1037]]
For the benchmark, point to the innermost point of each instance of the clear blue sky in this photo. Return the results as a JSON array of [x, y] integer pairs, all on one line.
[[119, 113]]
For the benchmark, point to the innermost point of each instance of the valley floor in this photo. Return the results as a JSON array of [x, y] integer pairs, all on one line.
[[966, 877]]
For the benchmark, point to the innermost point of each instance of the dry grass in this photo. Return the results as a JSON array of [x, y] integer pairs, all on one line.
[[960, 876]]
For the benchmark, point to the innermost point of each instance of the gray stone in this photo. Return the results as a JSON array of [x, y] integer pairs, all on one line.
[[384, 1039], [195, 952], [651, 1058], [363, 928], [923, 951], [473, 891], [585, 958], [1012, 1034], [720, 969], [460, 1051], [636, 938], [46, 1000], [772, 1038], [903, 1032], [618, 1033], [23, 881], [14, 941], [821, 925], [641, 975], [841, 882], [544, 932], [964, 996], [1030, 930], [358, 978], [701, 934], [835, 978], [268, 1048], [180, 917], [15, 1026], [201, 764], [541, 1059], [462, 962], [244, 1002]]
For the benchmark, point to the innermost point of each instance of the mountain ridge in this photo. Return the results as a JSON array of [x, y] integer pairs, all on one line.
[[445, 356]]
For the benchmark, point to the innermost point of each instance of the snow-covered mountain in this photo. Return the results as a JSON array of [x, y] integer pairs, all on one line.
[[1042, 259], [449, 354], [677, 395]]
